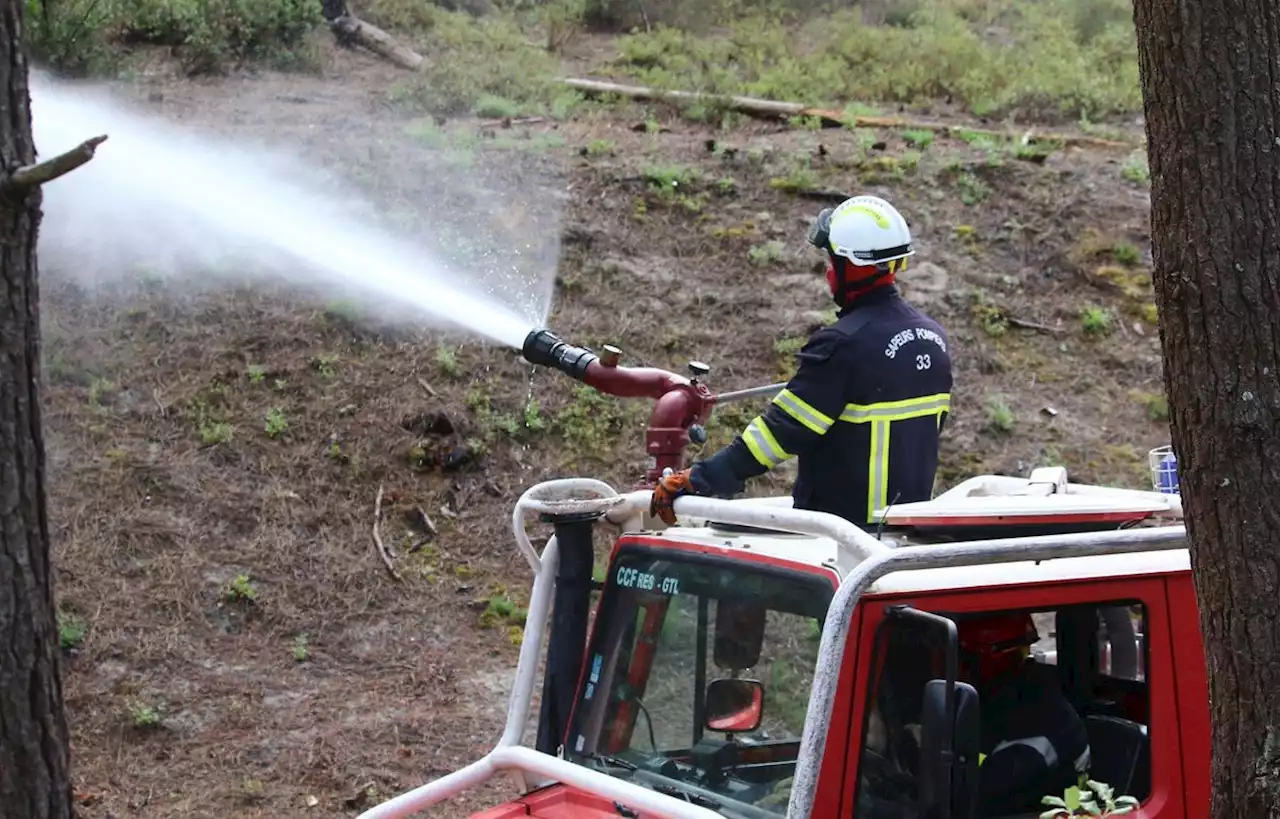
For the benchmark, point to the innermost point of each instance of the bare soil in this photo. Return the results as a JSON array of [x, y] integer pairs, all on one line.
[[401, 682]]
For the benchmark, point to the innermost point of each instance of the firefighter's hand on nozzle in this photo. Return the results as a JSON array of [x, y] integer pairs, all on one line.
[[672, 486]]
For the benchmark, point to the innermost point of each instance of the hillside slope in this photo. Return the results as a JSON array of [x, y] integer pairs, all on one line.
[[236, 648]]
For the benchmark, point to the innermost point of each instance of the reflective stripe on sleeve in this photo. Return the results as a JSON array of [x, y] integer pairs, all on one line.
[[763, 446], [803, 412], [1040, 745]]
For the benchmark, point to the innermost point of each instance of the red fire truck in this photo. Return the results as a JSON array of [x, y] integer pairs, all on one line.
[[760, 661]]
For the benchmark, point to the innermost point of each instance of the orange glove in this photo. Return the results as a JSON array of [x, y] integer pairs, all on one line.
[[665, 494]]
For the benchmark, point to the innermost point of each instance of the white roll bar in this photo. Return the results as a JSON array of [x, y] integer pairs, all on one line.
[[535, 499], [877, 560], [848, 538]]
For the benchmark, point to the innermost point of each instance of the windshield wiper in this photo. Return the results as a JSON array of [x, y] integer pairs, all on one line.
[[610, 760], [695, 798], [674, 787]]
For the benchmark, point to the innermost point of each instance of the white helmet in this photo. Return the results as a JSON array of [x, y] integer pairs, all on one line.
[[866, 230]]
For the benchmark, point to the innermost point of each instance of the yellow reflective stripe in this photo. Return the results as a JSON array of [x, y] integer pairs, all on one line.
[[802, 411], [897, 410], [878, 467], [876, 216], [981, 759], [764, 447]]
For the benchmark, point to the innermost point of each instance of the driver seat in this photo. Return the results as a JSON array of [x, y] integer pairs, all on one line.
[[1121, 754]]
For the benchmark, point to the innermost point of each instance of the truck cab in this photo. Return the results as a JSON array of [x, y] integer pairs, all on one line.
[[758, 661]]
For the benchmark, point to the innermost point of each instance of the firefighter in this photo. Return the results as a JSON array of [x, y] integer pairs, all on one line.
[[1034, 744], [865, 409]]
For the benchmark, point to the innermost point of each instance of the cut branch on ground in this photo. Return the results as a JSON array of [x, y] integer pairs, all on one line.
[[1025, 324], [377, 535], [774, 109], [32, 176]]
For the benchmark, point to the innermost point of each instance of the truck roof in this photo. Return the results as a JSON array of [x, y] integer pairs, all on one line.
[[808, 551]]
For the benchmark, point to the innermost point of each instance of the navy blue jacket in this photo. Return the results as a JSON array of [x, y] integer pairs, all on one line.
[[863, 414], [1034, 741]]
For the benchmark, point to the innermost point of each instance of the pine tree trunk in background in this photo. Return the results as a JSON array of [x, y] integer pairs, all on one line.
[[34, 756], [1211, 80]]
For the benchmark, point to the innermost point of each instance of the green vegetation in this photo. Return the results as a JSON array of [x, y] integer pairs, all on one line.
[[1096, 320], [276, 423], [1135, 168], [240, 589], [592, 422], [1000, 418], [144, 715], [1155, 404], [1058, 56], [767, 253], [1126, 254], [71, 630], [1073, 58], [82, 36], [488, 66]]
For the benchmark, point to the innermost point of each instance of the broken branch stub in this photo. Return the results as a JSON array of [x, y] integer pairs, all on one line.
[[32, 176]]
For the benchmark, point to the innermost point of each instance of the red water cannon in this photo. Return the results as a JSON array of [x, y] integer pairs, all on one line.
[[682, 405]]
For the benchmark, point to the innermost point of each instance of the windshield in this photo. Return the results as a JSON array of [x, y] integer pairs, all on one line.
[[667, 627]]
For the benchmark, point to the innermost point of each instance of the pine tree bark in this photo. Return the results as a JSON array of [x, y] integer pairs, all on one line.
[[1211, 82], [34, 756]]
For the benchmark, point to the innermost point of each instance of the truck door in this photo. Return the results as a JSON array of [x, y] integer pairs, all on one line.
[[1086, 688]]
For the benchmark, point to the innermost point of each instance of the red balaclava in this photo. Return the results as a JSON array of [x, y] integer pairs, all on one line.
[[848, 281]]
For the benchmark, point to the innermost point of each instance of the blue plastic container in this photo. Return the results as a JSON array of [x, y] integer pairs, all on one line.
[[1164, 470]]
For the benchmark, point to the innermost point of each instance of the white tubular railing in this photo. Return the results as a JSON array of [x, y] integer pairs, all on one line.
[[849, 537], [534, 499], [835, 631], [630, 514]]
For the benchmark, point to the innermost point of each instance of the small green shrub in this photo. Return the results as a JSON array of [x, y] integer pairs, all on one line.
[[1056, 56], [74, 35], [488, 65]]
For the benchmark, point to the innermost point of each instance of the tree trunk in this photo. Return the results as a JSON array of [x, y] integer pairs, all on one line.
[[1209, 80], [34, 757]]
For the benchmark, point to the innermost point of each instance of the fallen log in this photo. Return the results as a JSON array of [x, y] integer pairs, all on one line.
[[763, 108], [352, 30]]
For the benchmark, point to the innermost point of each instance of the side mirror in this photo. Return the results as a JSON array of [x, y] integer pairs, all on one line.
[[734, 706], [949, 749], [739, 634]]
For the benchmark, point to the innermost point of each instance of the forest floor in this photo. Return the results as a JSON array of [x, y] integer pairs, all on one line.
[[234, 645]]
